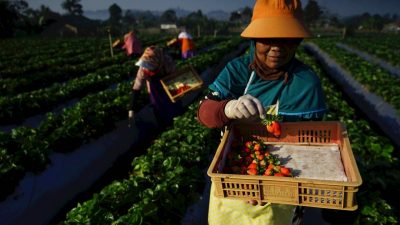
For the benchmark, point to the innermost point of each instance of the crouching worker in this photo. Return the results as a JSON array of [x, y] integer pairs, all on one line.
[[186, 44], [154, 65], [132, 45]]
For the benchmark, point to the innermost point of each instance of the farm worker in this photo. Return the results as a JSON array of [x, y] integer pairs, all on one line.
[[154, 64], [253, 82], [185, 41], [132, 45]]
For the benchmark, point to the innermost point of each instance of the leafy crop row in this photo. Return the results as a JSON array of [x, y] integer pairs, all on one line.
[[27, 149], [154, 191], [372, 77], [28, 103], [38, 72], [21, 106], [20, 52], [162, 184], [384, 47], [377, 162]]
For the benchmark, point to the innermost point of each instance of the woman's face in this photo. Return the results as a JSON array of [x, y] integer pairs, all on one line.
[[276, 52]]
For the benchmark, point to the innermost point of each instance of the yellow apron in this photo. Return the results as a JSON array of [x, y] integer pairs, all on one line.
[[236, 212]]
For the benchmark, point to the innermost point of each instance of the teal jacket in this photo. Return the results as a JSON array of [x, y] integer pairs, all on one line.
[[300, 99]]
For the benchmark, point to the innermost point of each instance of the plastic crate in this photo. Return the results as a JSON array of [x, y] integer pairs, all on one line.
[[338, 195], [186, 77]]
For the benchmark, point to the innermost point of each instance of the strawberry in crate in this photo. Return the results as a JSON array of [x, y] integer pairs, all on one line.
[[272, 124], [253, 157], [178, 88], [272, 120]]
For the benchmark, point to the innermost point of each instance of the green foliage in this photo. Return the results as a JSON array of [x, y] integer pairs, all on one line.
[[10, 14], [371, 76], [73, 7], [28, 149], [375, 158], [312, 12], [115, 18], [377, 211], [170, 180]]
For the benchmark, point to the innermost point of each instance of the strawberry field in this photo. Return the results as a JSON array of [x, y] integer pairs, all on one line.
[[59, 94]]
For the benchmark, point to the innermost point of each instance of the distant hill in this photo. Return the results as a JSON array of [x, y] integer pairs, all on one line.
[[97, 14], [218, 15], [104, 14]]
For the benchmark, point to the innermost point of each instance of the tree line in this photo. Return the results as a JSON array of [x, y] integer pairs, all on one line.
[[18, 19]]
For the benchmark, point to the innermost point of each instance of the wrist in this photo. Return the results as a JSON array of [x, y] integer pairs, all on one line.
[[211, 113], [228, 109]]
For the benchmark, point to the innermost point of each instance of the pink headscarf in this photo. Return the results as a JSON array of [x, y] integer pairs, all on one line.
[[131, 44]]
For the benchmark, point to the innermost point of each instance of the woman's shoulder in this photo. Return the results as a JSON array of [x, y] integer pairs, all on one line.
[[302, 70], [299, 66], [240, 61], [238, 65], [235, 70]]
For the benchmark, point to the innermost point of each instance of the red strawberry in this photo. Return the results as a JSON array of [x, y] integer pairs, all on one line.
[[248, 144], [257, 147], [270, 128], [286, 171], [271, 122], [252, 166], [260, 157], [268, 172], [252, 171], [277, 169], [276, 129]]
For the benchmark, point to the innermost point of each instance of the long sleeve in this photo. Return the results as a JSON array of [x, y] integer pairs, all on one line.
[[136, 87], [139, 79], [211, 113]]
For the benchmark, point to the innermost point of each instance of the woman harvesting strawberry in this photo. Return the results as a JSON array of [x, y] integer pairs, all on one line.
[[269, 76]]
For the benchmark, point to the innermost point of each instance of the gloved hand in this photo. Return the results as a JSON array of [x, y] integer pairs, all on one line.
[[245, 106], [132, 106], [131, 114], [131, 117]]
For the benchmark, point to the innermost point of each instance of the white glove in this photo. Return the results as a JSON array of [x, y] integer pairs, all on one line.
[[131, 116], [245, 106]]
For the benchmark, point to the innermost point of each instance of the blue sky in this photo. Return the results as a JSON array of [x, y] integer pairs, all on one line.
[[339, 7], [204, 5]]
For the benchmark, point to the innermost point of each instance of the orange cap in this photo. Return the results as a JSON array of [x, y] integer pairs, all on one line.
[[276, 19]]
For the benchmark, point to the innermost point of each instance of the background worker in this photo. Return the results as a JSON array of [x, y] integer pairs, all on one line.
[[132, 45], [186, 44], [268, 74], [154, 65]]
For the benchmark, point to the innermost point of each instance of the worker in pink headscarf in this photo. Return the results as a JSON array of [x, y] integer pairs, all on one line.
[[132, 45]]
